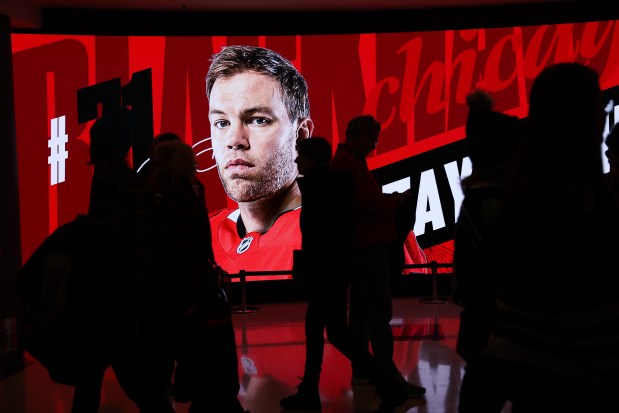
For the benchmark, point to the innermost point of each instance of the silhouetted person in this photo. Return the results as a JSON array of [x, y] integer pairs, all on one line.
[[183, 250], [370, 296], [145, 170], [491, 139], [167, 176], [327, 238], [555, 345], [123, 212], [612, 154], [192, 310]]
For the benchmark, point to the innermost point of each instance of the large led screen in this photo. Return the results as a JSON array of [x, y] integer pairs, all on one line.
[[414, 83]]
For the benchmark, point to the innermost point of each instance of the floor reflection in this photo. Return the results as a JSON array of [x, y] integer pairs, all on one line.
[[271, 350]]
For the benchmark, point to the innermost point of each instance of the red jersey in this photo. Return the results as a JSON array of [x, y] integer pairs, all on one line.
[[255, 251], [272, 250]]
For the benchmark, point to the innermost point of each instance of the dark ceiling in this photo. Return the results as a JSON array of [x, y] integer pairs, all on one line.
[[239, 17]]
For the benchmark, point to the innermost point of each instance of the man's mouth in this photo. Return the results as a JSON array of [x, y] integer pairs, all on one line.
[[238, 165]]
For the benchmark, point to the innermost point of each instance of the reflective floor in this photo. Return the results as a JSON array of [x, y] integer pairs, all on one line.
[[271, 350]]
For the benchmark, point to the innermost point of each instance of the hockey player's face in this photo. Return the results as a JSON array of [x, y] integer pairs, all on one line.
[[252, 136]]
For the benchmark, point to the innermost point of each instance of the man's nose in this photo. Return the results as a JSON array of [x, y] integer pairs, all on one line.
[[237, 138]]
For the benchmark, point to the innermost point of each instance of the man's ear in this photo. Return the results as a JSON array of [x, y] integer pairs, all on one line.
[[305, 129]]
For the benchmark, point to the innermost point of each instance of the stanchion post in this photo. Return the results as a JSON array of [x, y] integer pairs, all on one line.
[[244, 309], [435, 299]]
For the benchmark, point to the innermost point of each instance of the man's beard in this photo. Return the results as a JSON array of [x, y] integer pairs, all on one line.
[[277, 173]]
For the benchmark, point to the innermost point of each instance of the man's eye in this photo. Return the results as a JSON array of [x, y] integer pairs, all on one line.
[[220, 124], [260, 121]]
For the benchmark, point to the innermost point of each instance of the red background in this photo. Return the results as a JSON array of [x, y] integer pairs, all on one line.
[[415, 83]]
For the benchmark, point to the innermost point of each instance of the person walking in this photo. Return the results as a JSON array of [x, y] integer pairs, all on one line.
[[554, 344], [328, 262], [371, 307], [122, 213], [492, 139]]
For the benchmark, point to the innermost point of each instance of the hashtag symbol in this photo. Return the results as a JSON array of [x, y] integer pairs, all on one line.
[[58, 153]]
